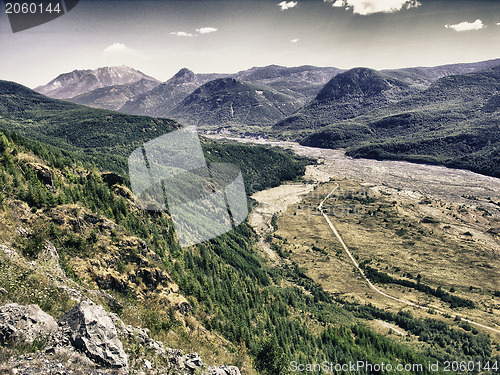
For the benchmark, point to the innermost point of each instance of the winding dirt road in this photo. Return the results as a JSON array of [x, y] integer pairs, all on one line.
[[346, 249]]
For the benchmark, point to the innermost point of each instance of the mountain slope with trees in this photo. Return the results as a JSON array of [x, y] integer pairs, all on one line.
[[454, 122], [228, 102], [220, 296], [350, 94], [158, 101]]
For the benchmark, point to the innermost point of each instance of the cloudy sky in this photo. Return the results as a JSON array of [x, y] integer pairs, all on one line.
[[161, 37]]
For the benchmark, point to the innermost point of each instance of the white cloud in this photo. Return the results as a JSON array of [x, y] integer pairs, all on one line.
[[285, 5], [117, 49], [467, 26], [120, 54], [206, 30], [498, 23], [181, 33], [338, 3], [365, 7], [294, 40], [201, 30]]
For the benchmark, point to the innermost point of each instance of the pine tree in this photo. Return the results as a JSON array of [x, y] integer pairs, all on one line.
[[271, 359]]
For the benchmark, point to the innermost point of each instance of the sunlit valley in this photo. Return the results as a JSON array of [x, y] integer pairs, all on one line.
[[372, 235]]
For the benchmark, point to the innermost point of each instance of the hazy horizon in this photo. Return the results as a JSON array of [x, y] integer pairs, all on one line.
[[216, 36]]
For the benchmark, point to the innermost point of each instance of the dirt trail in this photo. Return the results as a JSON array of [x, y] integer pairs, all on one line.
[[377, 290], [391, 327]]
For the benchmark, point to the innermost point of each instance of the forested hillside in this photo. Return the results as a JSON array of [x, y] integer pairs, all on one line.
[[349, 94], [105, 139], [267, 315], [454, 122], [273, 315], [227, 102]]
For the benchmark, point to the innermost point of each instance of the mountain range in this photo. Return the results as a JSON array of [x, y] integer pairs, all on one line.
[[449, 111], [130, 91], [158, 101], [138, 94]]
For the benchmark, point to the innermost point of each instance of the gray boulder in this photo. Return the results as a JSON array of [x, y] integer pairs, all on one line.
[[92, 331], [192, 361], [44, 173], [223, 370], [26, 324]]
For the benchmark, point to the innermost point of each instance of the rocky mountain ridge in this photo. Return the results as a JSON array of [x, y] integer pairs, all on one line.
[[79, 82], [114, 97], [227, 101], [148, 97], [300, 83], [423, 77], [158, 101]]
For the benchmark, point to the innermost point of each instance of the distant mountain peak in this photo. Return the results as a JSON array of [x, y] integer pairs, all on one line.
[[79, 82], [357, 82], [182, 76], [184, 72]]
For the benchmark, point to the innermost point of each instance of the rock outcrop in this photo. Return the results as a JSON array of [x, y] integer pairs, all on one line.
[[27, 324], [179, 363], [87, 338], [44, 173], [224, 370], [112, 178], [91, 330]]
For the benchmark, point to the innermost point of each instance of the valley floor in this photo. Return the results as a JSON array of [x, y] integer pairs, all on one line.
[[427, 223]]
